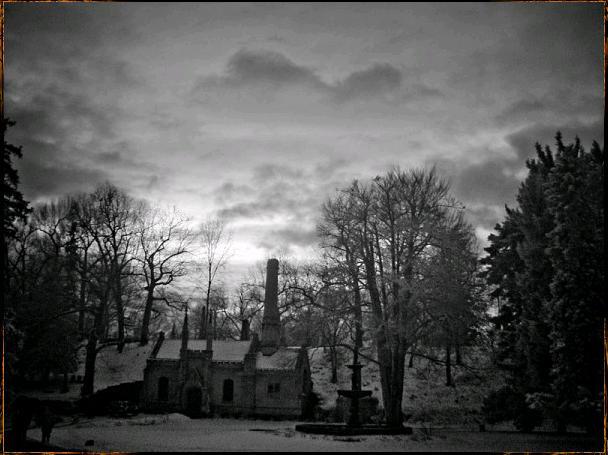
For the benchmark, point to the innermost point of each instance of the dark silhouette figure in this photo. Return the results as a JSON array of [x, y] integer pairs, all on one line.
[[46, 420], [22, 413]]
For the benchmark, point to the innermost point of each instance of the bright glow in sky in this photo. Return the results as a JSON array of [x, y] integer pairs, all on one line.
[[258, 112]]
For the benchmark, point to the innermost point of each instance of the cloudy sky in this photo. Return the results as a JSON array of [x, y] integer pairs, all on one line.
[[259, 112]]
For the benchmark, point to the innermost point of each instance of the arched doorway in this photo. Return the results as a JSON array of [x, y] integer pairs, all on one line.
[[228, 390], [194, 400]]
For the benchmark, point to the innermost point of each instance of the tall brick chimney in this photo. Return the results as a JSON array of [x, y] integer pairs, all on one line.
[[270, 323], [185, 336]]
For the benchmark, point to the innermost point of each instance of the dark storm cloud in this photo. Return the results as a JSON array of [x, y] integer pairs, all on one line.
[[268, 69], [543, 48], [246, 67], [494, 181], [62, 88], [327, 169], [110, 157], [490, 182], [276, 191], [552, 108], [266, 172], [78, 25], [228, 191], [277, 199], [418, 91], [565, 33], [486, 216], [484, 189], [119, 154], [68, 43], [520, 109], [56, 112], [375, 81], [50, 178], [273, 71], [47, 128], [296, 235]]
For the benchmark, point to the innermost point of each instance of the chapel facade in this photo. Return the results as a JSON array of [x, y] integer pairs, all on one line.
[[250, 377]]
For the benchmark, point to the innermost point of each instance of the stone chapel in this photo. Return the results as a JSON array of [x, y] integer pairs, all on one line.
[[250, 377]]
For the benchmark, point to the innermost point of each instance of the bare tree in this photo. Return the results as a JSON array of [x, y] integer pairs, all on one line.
[[215, 241], [110, 218], [391, 223], [452, 293], [165, 242], [118, 216]]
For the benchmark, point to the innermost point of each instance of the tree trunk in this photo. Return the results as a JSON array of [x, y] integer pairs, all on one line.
[[143, 339], [82, 300], [334, 365], [208, 296], [384, 351], [394, 415], [357, 312], [201, 332], [89, 365], [458, 354], [448, 366], [64, 386], [120, 314], [95, 333], [411, 362]]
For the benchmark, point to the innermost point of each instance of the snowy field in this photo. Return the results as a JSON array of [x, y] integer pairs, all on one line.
[[175, 432]]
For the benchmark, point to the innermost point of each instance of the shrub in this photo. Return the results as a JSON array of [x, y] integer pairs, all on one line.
[[507, 404]]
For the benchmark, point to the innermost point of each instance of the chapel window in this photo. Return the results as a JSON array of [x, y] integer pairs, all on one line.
[[163, 389], [228, 390], [274, 388]]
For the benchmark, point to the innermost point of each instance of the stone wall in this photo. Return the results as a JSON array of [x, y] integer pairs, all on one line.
[[155, 369], [285, 402], [220, 373]]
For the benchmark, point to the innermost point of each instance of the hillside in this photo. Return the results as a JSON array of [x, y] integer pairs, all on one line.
[[113, 368], [426, 397]]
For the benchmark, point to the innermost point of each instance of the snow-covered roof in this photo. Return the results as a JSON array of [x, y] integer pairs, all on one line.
[[283, 359], [223, 350]]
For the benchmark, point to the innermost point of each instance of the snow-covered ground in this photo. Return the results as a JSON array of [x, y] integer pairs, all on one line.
[[453, 412], [175, 432]]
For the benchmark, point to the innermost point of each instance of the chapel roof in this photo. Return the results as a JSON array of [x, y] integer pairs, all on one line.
[[285, 358], [223, 350]]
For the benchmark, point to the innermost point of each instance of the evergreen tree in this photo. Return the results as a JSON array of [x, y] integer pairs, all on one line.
[[575, 194], [502, 264], [546, 264], [14, 207], [534, 221]]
